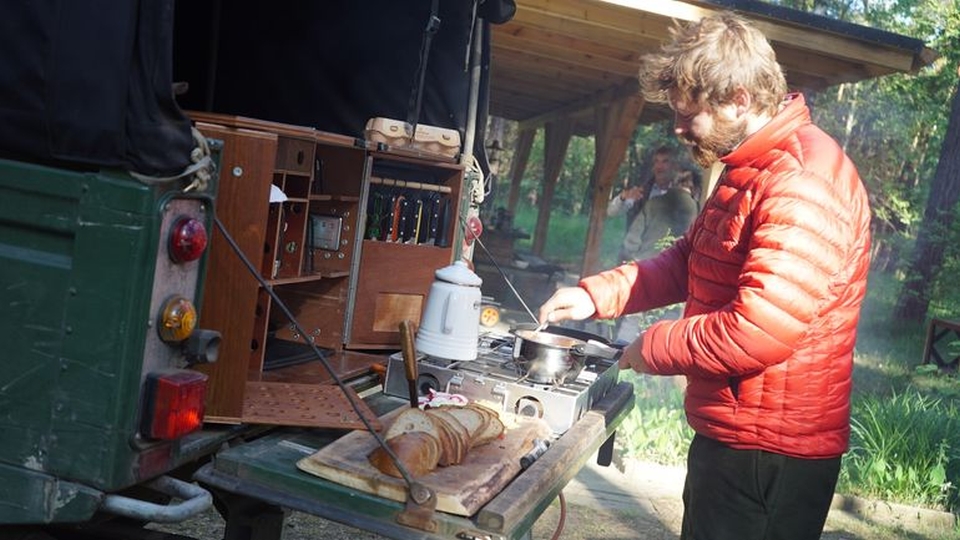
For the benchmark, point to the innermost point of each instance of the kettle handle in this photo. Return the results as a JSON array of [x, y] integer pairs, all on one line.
[[446, 324]]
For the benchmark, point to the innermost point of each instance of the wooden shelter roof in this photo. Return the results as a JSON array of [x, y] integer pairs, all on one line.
[[562, 57]]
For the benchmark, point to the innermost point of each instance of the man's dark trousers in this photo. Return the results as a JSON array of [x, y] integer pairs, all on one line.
[[754, 495]]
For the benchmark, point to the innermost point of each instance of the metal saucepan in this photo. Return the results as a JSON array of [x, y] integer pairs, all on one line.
[[548, 357]]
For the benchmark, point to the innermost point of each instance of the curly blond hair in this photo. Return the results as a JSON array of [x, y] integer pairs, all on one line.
[[707, 61]]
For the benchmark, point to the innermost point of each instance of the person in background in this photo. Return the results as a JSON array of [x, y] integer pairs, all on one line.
[[689, 180], [773, 273], [662, 217], [632, 199]]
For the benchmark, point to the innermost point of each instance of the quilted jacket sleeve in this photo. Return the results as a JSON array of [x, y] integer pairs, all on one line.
[[794, 259], [643, 285]]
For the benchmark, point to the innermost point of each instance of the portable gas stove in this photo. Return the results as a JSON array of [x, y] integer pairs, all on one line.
[[494, 379]]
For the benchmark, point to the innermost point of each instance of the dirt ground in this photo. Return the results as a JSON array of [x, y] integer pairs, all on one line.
[[580, 523], [636, 501]]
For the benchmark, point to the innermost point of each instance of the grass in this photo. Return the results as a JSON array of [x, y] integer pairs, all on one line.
[[905, 440], [904, 449]]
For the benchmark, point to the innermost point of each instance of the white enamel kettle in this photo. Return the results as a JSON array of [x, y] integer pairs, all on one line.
[[450, 325]]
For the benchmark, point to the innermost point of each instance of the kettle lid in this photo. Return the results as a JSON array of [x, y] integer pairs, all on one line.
[[458, 273]]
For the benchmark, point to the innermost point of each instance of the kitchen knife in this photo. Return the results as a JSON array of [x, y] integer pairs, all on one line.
[[395, 218], [417, 223], [409, 361], [433, 219], [405, 219], [388, 218], [443, 223]]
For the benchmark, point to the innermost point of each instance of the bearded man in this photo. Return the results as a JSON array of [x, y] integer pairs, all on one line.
[[773, 272]]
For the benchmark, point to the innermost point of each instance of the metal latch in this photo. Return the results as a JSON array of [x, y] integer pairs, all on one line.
[[419, 509]]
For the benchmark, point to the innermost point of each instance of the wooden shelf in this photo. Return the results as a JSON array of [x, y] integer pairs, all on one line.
[[341, 198], [306, 278]]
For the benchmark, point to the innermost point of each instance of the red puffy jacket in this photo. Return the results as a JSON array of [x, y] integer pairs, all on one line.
[[773, 272]]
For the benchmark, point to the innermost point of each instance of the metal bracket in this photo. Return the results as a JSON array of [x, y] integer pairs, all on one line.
[[419, 509]]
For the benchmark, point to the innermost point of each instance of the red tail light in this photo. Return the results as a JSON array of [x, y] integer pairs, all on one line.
[[188, 240], [173, 404]]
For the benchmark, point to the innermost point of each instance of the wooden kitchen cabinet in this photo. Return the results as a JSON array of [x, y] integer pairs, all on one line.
[[332, 266], [392, 277]]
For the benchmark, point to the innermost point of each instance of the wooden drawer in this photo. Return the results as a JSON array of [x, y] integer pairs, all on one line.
[[295, 155]]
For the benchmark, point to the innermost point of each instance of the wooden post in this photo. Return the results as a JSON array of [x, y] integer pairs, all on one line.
[[557, 138], [521, 156], [616, 122]]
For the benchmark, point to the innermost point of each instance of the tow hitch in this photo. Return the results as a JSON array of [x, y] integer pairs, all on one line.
[[193, 500]]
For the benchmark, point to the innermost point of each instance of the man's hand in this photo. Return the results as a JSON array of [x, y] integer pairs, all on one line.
[[568, 303], [632, 194], [632, 357]]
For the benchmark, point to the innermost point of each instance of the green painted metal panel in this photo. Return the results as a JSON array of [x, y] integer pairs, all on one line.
[[33, 497], [72, 246], [78, 252]]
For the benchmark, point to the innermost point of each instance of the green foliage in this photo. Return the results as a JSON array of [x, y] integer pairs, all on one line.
[[567, 237], [884, 352], [574, 175], [656, 430], [904, 448]]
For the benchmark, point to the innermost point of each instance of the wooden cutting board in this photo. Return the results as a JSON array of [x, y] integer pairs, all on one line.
[[461, 489]]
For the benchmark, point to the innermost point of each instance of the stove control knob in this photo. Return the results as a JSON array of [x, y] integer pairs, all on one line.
[[426, 383], [528, 406]]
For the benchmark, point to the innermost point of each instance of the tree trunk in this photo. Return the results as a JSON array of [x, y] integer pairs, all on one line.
[[914, 296]]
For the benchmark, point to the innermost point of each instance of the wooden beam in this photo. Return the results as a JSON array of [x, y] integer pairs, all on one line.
[[518, 165], [629, 29], [556, 140], [557, 82], [566, 49], [623, 51], [558, 69], [616, 123], [608, 95]]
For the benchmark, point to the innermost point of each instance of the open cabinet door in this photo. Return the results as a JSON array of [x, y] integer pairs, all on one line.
[[266, 373]]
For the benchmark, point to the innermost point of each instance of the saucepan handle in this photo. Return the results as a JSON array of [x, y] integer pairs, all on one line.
[[595, 348]]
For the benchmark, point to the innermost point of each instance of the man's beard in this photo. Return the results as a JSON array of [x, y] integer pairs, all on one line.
[[724, 136]]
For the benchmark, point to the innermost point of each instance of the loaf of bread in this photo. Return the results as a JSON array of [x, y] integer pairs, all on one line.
[[441, 436]]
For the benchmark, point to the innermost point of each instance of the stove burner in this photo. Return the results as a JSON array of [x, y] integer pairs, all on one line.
[[495, 380]]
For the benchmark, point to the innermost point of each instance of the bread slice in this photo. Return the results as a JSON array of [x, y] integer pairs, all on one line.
[[411, 420], [493, 430], [493, 427], [418, 451], [448, 442], [471, 419], [461, 435]]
